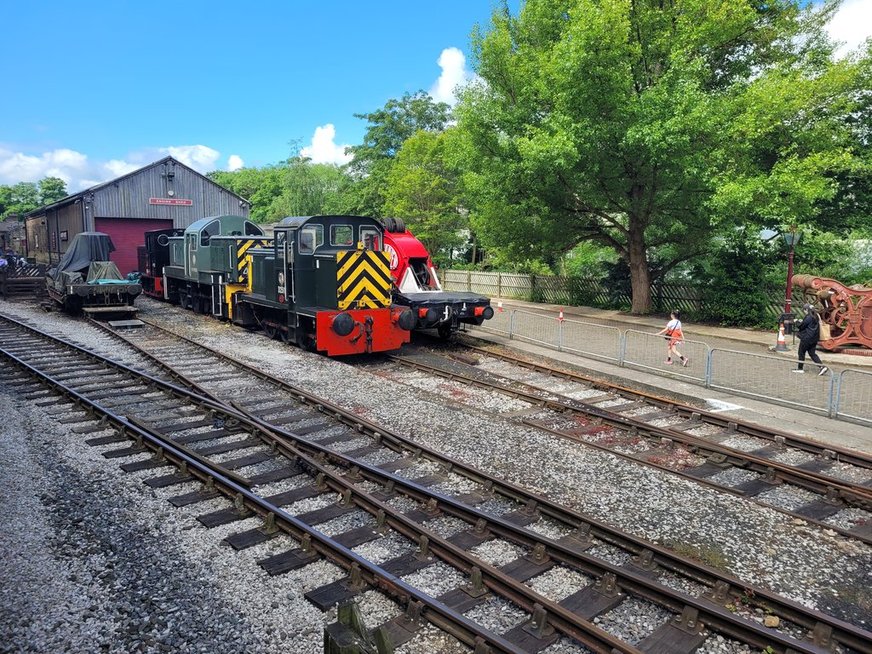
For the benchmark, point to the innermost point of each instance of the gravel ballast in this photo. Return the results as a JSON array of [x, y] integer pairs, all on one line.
[[161, 558]]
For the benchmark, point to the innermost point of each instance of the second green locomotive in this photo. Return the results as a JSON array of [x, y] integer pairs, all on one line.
[[322, 282]]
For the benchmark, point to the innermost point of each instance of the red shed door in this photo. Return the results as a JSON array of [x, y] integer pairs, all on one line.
[[127, 234]]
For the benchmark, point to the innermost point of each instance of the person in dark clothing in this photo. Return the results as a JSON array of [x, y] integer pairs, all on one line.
[[809, 335]]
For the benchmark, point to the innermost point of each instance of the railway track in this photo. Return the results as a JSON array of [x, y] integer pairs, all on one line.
[[733, 456], [370, 488]]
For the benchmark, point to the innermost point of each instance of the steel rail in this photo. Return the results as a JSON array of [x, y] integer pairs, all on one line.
[[843, 454], [637, 583], [853, 494], [568, 623], [725, 585], [436, 612]]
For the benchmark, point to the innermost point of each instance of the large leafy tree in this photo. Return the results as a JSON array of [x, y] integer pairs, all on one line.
[[307, 189], [387, 130], [423, 189], [614, 121], [51, 189]]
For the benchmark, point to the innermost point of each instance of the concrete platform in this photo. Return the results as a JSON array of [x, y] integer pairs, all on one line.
[[809, 425]]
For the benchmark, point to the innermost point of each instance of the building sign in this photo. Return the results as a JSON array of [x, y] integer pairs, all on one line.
[[176, 202]]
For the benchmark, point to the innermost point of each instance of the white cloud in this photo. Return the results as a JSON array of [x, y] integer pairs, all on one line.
[[851, 25], [21, 167], [79, 172], [118, 168], [453, 64], [324, 148], [234, 162], [198, 157]]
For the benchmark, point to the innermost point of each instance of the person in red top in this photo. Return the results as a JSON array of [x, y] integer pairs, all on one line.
[[676, 336]]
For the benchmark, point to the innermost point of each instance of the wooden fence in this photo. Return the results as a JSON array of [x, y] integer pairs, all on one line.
[[592, 292], [27, 279]]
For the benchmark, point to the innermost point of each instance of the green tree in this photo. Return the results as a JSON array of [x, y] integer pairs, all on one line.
[[422, 189], [19, 199], [613, 121], [260, 186], [24, 197], [295, 187], [51, 189], [388, 129], [307, 189]]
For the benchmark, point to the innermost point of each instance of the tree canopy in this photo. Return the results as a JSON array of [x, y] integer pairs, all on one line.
[[423, 189], [388, 128], [641, 125], [295, 187], [23, 197]]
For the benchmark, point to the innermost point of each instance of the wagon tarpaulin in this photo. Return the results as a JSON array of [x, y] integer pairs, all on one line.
[[85, 248]]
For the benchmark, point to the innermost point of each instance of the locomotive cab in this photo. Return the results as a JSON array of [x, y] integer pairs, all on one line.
[[208, 260]]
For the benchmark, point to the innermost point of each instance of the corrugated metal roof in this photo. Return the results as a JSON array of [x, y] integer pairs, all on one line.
[[72, 198]]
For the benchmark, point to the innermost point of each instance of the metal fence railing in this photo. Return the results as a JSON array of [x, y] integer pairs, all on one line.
[[853, 396], [771, 378], [590, 339], [846, 395], [648, 351]]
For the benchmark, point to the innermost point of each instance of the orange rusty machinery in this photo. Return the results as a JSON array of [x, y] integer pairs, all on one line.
[[846, 309]]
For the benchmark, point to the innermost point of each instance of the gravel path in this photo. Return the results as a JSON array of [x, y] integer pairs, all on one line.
[[232, 605]]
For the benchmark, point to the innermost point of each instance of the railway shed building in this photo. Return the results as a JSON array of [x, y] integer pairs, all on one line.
[[161, 195]]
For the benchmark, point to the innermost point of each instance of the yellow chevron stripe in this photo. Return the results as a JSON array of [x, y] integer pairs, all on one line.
[[242, 248], [364, 272], [362, 285], [366, 293], [378, 259]]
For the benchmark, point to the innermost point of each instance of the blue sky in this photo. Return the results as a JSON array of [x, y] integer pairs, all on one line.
[[94, 89]]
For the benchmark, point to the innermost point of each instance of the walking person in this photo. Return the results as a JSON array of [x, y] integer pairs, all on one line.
[[809, 334], [676, 336]]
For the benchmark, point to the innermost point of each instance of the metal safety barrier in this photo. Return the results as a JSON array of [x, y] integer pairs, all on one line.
[[535, 328], [590, 339], [771, 378], [853, 397], [648, 351], [845, 396]]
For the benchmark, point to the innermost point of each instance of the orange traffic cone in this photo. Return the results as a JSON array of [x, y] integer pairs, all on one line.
[[499, 306], [560, 317], [781, 344]]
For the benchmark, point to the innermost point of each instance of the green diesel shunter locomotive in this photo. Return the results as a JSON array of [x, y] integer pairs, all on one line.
[[322, 282]]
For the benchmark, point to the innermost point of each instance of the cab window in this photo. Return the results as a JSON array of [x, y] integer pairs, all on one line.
[[210, 230], [311, 238], [341, 235], [371, 238], [252, 230]]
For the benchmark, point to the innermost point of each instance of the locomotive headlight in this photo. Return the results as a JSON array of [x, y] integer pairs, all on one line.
[[342, 324]]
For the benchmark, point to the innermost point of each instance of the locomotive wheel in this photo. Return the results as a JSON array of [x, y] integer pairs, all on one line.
[[284, 335], [305, 340], [270, 331]]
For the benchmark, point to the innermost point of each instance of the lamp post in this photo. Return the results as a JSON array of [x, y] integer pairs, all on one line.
[[791, 238]]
